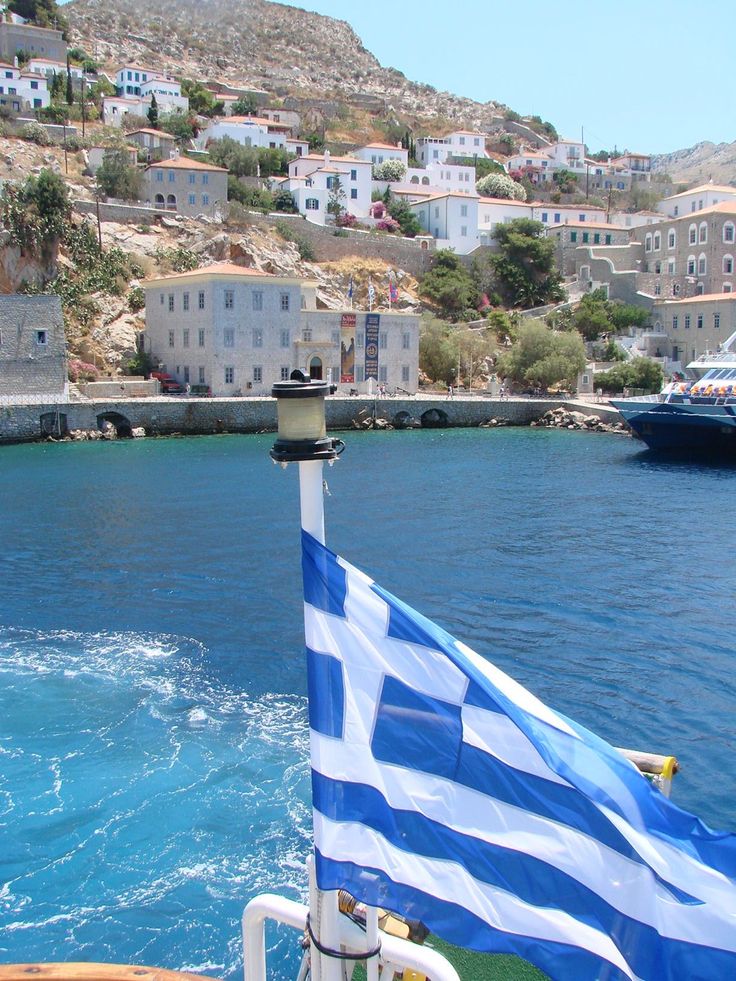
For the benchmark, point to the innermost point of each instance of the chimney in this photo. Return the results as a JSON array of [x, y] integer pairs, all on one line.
[[327, 158]]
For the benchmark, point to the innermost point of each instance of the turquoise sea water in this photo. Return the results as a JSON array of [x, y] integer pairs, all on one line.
[[153, 745]]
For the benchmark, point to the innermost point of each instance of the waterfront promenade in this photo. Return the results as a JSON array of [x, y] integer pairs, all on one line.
[[28, 419]]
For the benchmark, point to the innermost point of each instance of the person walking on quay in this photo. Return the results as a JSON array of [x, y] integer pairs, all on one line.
[[450, 391]]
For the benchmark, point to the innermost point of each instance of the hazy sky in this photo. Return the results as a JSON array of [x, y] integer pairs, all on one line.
[[647, 75]]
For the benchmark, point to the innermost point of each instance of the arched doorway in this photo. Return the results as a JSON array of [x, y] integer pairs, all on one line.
[[315, 368], [171, 202], [159, 201]]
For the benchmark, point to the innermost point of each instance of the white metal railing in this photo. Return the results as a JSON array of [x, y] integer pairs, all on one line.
[[40, 399]]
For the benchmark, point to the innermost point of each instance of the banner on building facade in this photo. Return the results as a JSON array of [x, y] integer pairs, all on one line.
[[347, 348], [372, 321]]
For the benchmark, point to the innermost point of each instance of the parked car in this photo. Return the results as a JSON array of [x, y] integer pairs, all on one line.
[[201, 391]]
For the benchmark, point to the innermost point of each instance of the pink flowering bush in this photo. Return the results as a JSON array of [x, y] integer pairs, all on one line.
[[82, 371], [388, 224], [346, 220]]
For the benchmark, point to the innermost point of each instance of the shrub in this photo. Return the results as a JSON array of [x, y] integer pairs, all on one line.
[[500, 186], [346, 220], [36, 133], [389, 170], [137, 298], [82, 371], [388, 224]]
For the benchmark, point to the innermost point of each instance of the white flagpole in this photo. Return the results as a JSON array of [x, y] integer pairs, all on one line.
[[302, 439]]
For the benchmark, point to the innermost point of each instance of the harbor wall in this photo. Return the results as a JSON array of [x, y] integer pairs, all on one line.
[[164, 416]]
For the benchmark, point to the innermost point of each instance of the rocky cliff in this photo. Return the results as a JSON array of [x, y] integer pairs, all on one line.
[[699, 164], [256, 43]]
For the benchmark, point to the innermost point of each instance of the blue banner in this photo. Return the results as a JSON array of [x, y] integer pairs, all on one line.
[[372, 321]]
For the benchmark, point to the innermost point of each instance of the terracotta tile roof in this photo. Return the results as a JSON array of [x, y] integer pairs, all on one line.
[[450, 194], [702, 188], [216, 269], [185, 163], [258, 120], [333, 157], [383, 146], [704, 298], [517, 204], [154, 132], [590, 224], [723, 207]]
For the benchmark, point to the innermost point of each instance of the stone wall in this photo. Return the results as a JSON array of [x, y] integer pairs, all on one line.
[[138, 213], [164, 416]]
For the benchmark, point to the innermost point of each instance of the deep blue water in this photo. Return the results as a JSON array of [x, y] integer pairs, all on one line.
[[153, 745]]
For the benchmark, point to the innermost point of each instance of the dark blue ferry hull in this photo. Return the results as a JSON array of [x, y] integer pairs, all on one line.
[[698, 427]]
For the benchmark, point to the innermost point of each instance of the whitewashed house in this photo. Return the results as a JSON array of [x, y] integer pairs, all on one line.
[[168, 94], [697, 198], [461, 143], [129, 78], [255, 131], [115, 107], [452, 219], [23, 89], [378, 153], [445, 176], [499, 211], [315, 177]]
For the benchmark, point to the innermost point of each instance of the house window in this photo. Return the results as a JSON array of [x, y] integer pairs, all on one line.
[[312, 204], [700, 320], [228, 337], [257, 373], [159, 176], [657, 241], [657, 289], [608, 240], [205, 199], [727, 287], [692, 234], [200, 299], [463, 211], [353, 193], [201, 374], [675, 322], [257, 337], [185, 337], [671, 238], [406, 340], [285, 337], [687, 321], [573, 237], [284, 373], [172, 176], [200, 337], [596, 238], [353, 175], [192, 178], [691, 265], [229, 299], [728, 230], [192, 198], [671, 267], [257, 300], [331, 181], [307, 334], [284, 301], [677, 210], [585, 237], [229, 375], [383, 340], [544, 215], [728, 264], [185, 301], [171, 338], [716, 320], [205, 178], [463, 230], [701, 265], [186, 374], [162, 298], [42, 338], [581, 217], [703, 232], [405, 373], [648, 243], [171, 302]]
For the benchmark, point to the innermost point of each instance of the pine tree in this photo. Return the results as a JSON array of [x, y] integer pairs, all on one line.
[[153, 113], [69, 86]]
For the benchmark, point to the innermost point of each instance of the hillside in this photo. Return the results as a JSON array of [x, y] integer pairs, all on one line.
[[700, 163], [259, 44]]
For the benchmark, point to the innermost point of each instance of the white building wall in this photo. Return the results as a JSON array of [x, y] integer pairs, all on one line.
[[245, 133]]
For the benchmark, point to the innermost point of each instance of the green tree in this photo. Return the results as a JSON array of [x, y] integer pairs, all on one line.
[[241, 161], [250, 197], [181, 125], [69, 86], [565, 180], [272, 161], [57, 86], [336, 199], [450, 286], [37, 213], [500, 186], [543, 357], [437, 358], [483, 166], [641, 373], [473, 348], [245, 106], [524, 267], [201, 101], [401, 212], [153, 112], [43, 13], [284, 201], [625, 315], [116, 178]]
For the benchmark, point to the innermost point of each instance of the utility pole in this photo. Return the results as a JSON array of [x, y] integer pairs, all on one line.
[[608, 210], [99, 225], [66, 159], [84, 103]]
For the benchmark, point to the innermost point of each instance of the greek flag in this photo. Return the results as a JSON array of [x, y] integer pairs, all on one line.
[[371, 293], [445, 791], [350, 287]]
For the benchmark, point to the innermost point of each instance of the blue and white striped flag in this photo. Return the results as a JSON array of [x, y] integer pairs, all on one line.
[[371, 294], [445, 791]]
